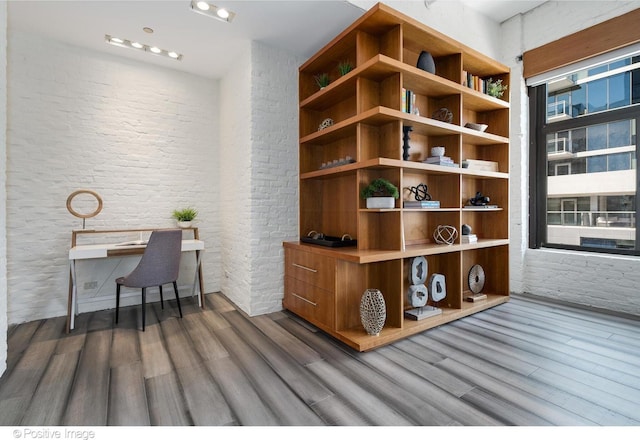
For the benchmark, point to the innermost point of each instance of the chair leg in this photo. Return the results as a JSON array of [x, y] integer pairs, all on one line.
[[144, 295], [161, 299], [117, 300], [175, 289]]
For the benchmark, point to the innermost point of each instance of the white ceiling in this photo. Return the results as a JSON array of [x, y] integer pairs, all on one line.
[[208, 45]]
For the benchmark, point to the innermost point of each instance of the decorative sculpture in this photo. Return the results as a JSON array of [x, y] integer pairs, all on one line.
[[405, 141], [445, 234], [373, 311]]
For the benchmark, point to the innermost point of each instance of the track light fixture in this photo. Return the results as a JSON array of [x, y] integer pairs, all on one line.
[[211, 10]]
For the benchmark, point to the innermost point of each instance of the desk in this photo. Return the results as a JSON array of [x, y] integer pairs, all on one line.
[[90, 251]]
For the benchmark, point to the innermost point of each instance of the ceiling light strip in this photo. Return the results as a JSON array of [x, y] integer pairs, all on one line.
[[120, 42], [211, 10]]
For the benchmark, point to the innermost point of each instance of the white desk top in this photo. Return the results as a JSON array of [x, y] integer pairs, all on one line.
[[88, 251]]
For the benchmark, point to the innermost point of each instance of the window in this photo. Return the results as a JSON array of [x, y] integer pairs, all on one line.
[[583, 159]]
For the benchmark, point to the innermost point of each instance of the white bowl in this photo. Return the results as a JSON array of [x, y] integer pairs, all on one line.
[[479, 127], [437, 151]]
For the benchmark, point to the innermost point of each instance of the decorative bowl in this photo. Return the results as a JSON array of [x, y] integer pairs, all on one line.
[[479, 127]]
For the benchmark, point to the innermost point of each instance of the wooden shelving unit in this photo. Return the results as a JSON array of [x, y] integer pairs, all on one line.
[[324, 285]]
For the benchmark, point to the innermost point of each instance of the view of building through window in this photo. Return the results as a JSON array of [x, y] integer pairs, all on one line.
[[590, 135]]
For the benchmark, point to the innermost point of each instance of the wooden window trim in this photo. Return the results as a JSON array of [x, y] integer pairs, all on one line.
[[604, 37]]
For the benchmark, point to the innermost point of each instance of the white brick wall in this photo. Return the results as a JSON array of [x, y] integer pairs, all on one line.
[[3, 155], [235, 180], [259, 129], [144, 137], [589, 279], [274, 208]]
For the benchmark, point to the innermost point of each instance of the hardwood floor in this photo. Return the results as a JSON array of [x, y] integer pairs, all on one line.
[[525, 363]]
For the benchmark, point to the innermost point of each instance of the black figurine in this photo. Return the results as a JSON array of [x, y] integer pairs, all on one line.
[[479, 200]]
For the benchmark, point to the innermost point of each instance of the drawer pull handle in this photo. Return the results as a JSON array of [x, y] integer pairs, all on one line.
[[305, 268], [304, 299]]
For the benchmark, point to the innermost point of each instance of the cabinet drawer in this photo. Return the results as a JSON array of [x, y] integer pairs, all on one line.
[[309, 302], [314, 269]]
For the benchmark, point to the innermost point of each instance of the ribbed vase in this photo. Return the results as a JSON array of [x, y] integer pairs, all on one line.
[[373, 311]]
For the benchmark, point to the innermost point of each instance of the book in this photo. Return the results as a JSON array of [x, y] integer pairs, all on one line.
[[482, 165], [470, 238], [422, 204], [480, 207], [438, 159], [422, 313]]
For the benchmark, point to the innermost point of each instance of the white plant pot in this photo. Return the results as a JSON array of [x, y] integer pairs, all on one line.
[[381, 203], [184, 224]]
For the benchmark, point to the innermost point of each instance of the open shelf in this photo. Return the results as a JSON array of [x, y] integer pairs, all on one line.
[[365, 142]]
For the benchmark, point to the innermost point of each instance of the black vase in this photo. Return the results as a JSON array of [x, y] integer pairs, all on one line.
[[426, 62]]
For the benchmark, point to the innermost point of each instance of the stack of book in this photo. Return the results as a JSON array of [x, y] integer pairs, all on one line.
[[474, 82], [408, 102], [422, 204], [440, 160], [480, 165], [469, 238]]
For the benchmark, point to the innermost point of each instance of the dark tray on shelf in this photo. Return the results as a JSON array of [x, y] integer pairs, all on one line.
[[329, 241]]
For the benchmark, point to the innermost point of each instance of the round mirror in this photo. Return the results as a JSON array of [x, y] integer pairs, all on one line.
[[86, 200]]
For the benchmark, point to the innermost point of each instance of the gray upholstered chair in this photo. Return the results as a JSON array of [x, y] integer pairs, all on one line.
[[159, 265]]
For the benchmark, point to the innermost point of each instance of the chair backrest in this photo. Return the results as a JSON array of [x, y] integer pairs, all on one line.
[[160, 263]]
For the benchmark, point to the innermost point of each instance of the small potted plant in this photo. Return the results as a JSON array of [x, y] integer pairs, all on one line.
[[345, 67], [322, 80], [495, 88], [184, 217], [380, 194]]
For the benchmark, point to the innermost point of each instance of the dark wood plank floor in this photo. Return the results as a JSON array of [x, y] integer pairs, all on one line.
[[524, 363]]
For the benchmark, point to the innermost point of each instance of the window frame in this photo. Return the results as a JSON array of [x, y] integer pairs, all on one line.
[[538, 168]]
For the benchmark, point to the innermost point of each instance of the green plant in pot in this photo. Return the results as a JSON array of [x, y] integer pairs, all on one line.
[[322, 80], [185, 216], [345, 67], [380, 194], [495, 88]]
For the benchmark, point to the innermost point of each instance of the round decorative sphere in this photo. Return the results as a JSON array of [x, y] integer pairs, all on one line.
[[445, 234], [373, 311]]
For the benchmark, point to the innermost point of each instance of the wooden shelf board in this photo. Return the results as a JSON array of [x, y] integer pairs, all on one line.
[[360, 340], [382, 115], [416, 80], [356, 255]]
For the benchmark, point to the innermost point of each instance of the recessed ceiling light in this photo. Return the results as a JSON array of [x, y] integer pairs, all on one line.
[[203, 6], [148, 30], [211, 10], [120, 42]]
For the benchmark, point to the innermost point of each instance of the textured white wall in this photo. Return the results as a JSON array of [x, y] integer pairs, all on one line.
[[259, 157], [144, 137], [589, 279], [3, 156], [235, 179], [274, 207]]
